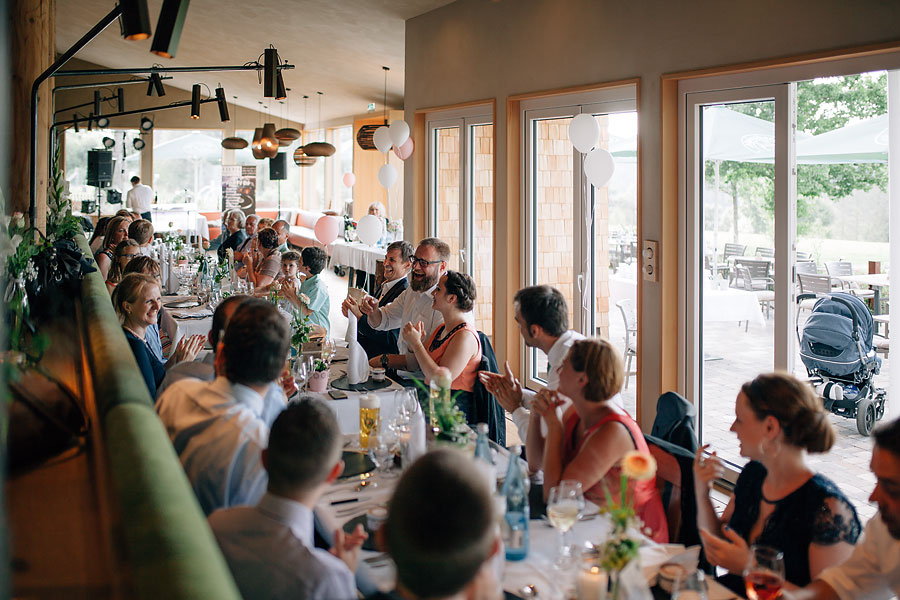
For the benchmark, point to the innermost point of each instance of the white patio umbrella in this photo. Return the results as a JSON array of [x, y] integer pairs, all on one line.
[[865, 141]]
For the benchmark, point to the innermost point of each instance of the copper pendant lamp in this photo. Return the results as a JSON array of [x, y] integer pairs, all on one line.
[[302, 160], [268, 142], [234, 142], [365, 137], [257, 144], [319, 148], [287, 135]]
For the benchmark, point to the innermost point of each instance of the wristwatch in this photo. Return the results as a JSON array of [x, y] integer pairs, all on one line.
[[384, 361]]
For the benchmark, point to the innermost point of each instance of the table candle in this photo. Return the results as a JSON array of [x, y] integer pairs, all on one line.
[[591, 584]]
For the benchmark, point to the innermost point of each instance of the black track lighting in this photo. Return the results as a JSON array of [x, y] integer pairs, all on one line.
[[168, 28], [135, 19], [223, 104], [97, 102], [108, 143], [102, 122], [156, 84], [90, 121], [270, 72], [75, 118], [138, 144], [120, 99], [195, 101], [146, 123], [280, 92]]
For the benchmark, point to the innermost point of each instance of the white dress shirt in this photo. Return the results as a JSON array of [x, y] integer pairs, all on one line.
[[139, 198], [410, 307], [555, 358], [218, 432], [269, 549], [872, 571]]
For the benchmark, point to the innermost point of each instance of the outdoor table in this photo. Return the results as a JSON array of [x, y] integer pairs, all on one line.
[[876, 281], [731, 305]]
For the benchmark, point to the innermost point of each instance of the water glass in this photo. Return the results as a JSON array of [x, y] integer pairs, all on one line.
[[690, 586], [564, 507]]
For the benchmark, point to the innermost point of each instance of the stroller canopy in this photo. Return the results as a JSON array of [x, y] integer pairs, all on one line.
[[827, 343]]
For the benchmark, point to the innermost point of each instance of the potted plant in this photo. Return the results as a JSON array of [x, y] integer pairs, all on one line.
[[318, 379]]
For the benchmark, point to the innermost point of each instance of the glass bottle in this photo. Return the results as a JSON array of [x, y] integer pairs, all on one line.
[[515, 526]]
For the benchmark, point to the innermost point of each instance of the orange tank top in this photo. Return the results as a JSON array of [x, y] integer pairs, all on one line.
[[437, 346]]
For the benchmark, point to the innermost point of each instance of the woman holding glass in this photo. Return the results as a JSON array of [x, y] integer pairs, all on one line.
[[778, 501], [588, 442]]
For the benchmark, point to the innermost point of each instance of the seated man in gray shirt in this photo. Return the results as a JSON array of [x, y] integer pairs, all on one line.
[[269, 547]]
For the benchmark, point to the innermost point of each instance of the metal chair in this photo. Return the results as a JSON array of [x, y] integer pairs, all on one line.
[[764, 296], [730, 250], [629, 316], [765, 252], [803, 255], [841, 268], [811, 283], [759, 272]]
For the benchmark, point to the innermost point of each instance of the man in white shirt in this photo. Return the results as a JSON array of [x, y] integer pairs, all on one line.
[[217, 428], [429, 263], [139, 198], [269, 547], [543, 319], [873, 570]]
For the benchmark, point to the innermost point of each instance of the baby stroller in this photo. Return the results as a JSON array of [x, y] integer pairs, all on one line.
[[836, 347]]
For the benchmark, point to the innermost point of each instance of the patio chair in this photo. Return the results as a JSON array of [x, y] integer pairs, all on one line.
[[840, 268], [882, 345], [813, 283], [768, 253], [803, 255], [764, 296], [730, 250], [626, 307], [759, 271]]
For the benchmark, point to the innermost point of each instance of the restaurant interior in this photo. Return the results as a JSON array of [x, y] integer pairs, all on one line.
[[488, 91]]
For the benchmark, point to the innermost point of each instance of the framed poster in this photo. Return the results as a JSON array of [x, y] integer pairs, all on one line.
[[239, 188]]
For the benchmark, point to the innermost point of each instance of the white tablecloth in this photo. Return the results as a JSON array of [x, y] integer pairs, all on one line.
[[187, 219], [356, 255], [175, 327], [731, 305], [347, 410]]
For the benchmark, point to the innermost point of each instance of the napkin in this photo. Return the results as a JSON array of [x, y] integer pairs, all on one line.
[[357, 362], [164, 268], [172, 284]]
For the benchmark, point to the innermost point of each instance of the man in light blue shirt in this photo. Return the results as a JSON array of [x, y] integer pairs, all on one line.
[[269, 547], [217, 427], [316, 303]]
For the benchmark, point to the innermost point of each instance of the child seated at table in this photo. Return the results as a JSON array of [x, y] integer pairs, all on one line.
[[290, 270], [141, 231], [311, 296]]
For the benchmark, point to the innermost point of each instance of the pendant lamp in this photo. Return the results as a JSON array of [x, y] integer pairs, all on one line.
[[268, 142], [302, 160], [319, 148], [287, 135], [256, 146], [234, 142], [365, 137]]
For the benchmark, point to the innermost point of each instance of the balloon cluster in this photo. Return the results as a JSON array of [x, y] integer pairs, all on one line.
[[397, 137], [584, 133]]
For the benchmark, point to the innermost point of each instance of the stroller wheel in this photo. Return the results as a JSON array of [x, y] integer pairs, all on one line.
[[865, 416]]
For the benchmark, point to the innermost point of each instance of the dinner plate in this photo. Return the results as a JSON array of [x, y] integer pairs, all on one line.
[[182, 304]]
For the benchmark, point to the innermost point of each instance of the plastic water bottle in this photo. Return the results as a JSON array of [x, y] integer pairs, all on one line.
[[482, 447], [515, 526]]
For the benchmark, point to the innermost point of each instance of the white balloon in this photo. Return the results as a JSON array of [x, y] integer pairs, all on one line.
[[584, 132], [382, 139], [387, 176], [599, 167], [399, 132], [369, 230]]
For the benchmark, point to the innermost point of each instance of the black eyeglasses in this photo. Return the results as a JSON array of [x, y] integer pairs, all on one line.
[[415, 260]]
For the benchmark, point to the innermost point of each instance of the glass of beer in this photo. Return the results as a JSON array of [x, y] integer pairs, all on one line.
[[369, 414], [764, 575]]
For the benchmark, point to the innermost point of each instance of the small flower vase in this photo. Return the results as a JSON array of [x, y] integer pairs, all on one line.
[[318, 381], [17, 300]]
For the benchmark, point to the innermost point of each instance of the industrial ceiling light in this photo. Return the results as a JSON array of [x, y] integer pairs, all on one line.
[[280, 91], [75, 119], [168, 28], [108, 143], [319, 148], [97, 102], [156, 84], [195, 101], [223, 104], [120, 99], [102, 122], [146, 123], [270, 72], [134, 20], [302, 160], [90, 121], [138, 144]]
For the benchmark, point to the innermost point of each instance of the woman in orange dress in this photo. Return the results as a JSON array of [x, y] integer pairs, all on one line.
[[593, 436]]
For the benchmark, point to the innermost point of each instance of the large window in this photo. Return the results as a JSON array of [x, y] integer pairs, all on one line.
[[126, 164], [268, 192], [342, 163], [461, 198], [187, 167], [582, 239]]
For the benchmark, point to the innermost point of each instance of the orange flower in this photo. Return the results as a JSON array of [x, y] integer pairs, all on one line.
[[638, 465]]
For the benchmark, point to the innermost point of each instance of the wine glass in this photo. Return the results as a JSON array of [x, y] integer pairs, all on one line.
[[564, 507], [690, 586], [328, 350], [302, 369], [764, 575], [382, 442]]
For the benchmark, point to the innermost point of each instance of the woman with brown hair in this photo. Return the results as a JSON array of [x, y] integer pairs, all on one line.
[[778, 500], [116, 232], [593, 436], [126, 251], [99, 232]]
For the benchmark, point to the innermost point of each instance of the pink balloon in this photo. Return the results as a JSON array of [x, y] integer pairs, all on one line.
[[405, 150], [327, 229], [349, 179]]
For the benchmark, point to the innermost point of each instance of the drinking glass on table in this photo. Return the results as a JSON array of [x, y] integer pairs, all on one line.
[[764, 575], [690, 586], [328, 350], [302, 368], [564, 507], [382, 443]]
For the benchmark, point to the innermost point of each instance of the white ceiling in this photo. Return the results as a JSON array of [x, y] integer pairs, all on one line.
[[337, 46]]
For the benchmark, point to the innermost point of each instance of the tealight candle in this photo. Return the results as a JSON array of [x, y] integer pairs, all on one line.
[[591, 584]]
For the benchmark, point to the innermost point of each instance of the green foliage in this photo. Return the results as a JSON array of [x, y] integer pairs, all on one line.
[[301, 328], [61, 224]]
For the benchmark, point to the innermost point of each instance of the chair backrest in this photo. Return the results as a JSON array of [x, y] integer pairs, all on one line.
[[735, 249], [743, 279], [758, 268], [806, 266], [487, 408], [814, 284], [626, 307], [838, 268], [803, 255], [668, 482], [765, 252]]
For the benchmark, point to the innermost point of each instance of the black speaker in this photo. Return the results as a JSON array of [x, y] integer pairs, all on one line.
[[99, 168], [278, 167]]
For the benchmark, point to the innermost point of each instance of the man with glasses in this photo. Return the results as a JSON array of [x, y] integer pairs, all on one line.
[[429, 263]]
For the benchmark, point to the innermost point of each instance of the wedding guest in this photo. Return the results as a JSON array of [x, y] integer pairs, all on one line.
[[153, 336], [441, 531], [125, 252], [873, 569], [250, 228], [543, 320], [137, 302], [282, 228], [289, 275], [589, 441], [127, 214], [312, 295], [265, 223], [96, 240], [377, 209], [270, 547], [396, 268], [429, 263], [454, 344], [217, 427], [264, 266], [116, 231], [234, 222], [141, 231], [778, 501]]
